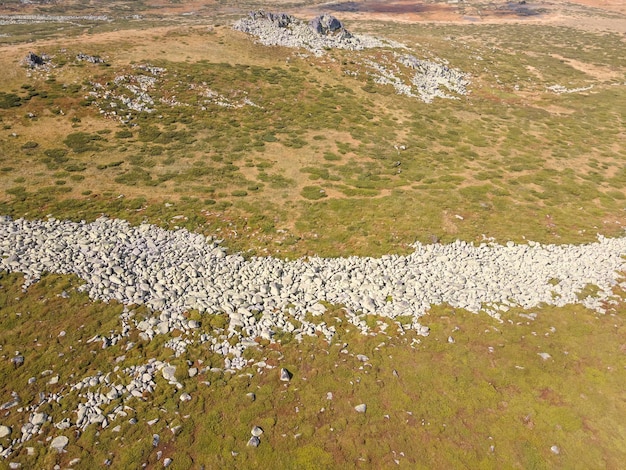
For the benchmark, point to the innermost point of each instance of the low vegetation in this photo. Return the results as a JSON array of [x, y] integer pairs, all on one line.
[[286, 154]]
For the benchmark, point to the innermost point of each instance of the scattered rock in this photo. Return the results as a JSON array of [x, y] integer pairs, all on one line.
[[257, 431], [185, 397], [59, 443], [544, 355], [37, 419], [254, 442], [167, 462], [285, 375], [4, 431], [94, 59], [33, 60], [361, 408], [555, 450], [169, 373], [17, 360]]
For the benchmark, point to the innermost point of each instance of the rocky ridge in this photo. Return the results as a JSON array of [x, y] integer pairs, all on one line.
[[322, 33], [174, 271], [408, 75]]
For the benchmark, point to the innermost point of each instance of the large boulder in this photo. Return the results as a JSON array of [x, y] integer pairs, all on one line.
[[33, 60], [282, 20], [326, 25]]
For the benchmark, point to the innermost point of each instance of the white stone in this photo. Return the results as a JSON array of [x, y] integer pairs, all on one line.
[[59, 443], [37, 419], [4, 431], [169, 373]]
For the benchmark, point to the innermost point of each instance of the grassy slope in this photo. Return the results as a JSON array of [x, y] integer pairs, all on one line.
[[512, 159], [449, 403]]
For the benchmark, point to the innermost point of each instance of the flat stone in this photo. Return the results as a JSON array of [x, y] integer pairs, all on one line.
[[361, 408], [257, 431]]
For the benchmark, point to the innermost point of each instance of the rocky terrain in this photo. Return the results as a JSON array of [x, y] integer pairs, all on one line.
[[173, 272], [407, 74], [127, 341]]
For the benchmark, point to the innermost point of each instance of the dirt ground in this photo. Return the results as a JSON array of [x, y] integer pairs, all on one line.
[[607, 15], [603, 15]]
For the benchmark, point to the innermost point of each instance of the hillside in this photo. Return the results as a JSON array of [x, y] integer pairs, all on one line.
[[416, 207]]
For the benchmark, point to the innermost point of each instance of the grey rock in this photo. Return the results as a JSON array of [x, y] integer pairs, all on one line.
[[17, 360], [33, 60], [285, 375], [328, 24], [59, 443], [5, 431], [256, 431], [254, 442], [37, 419], [362, 408], [169, 373]]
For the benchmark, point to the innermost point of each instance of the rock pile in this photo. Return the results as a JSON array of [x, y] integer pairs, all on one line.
[[427, 79], [33, 60], [93, 59], [35, 19], [323, 32], [174, 271]]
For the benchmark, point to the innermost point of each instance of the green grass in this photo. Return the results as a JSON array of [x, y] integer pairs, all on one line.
[[447, 406]]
